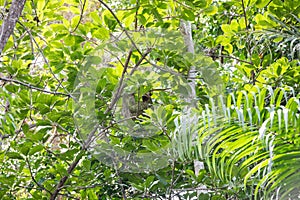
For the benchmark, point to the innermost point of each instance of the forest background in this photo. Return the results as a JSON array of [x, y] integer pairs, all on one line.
[[152, 99]]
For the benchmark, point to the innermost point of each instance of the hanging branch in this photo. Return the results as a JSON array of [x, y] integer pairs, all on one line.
[[10, 21]]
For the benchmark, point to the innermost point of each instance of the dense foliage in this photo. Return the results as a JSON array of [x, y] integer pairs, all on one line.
[[107, 100]]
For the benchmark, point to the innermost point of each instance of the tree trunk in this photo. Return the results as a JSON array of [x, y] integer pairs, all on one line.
[[186, 30], [10, 21]]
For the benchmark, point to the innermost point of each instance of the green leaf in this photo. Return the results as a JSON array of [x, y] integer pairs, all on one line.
[[229, 48], [162, 5], [58, 28], [92, 194], [157, 15], [223, 40], [201, 176], [42, 108], [149, 145], [12, 88], [211, 10], [217, 197], [278, 39], [38, 136], [142, 19], [96, 18], [86, 164], [101, 33], [36, 149], [191, 173], [75, 21], [40, 5], [204, 196], [25, 147], [188, 15], [202, 3], [109, 20], [69, 40], [261, 3], [149, 181], [94, 60], [25, 128], [278, 70], [14, 155]]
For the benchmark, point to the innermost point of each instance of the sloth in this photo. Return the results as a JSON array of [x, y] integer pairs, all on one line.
[[133, 108]]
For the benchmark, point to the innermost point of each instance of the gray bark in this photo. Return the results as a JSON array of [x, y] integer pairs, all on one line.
[[10, 21], [186, 30]]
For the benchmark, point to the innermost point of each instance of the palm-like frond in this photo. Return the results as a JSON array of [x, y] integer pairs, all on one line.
[[287, 37], [255, 139]]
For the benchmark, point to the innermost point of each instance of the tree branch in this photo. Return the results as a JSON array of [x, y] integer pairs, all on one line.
[[62, 181], [121, 85], [34, 87], [10, 21]]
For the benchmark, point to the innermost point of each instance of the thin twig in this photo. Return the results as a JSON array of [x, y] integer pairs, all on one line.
[[121, 184], [172, 180], [231, 57], [117, 95], [33, 179], [81, 15], [121, 26], [116, 56], [245, 15], [44, 57], [140, 61], [34, 87], [268, 3], [136, 14]]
